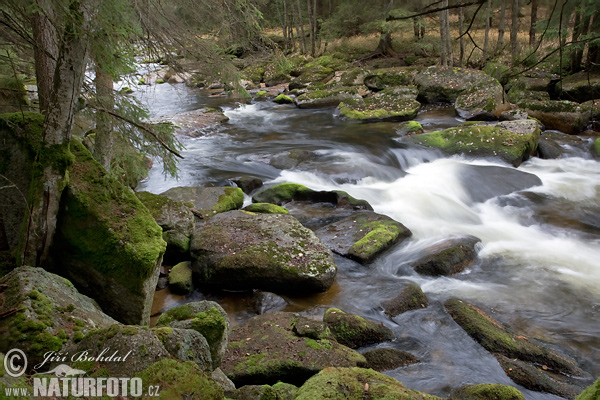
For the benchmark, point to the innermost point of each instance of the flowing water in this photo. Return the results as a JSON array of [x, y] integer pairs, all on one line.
[[538, 268]]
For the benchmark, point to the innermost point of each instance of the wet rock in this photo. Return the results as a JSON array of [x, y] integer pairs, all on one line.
[[595, 149], [254, 392], [196, 122], [382, 106], [363, 236], [265, 302], [178, 380], [162, 283], [523, 358], [178, 246], [386, 359], [580, 87], [291, 159], [549, 149], [41, 311], [591, 392], [266, 208], [180, 278], [486, 391], [409, 128], [511, 141], [513, 115], [484, 182], [321, 98], [208, 201], [410, 298], [307, 327], [207, 318], [248, 184], [186, 345], [265, 350], [274, 252], [562, 115], [355, 331], [107, 242], [356, 384], [387, 78], [445, 84], [294, 85], [448, 256]]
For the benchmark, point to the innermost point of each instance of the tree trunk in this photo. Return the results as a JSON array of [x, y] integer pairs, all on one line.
[[286, 25], [103, 146], [461, 21], [385, 45], [449, 53], [580, 28], [501, 27], [45, 52], [514, 31], [443, 41], [304, 47], [534, 10], [311, 26], [486, 40], [593, 58], [55, 158]]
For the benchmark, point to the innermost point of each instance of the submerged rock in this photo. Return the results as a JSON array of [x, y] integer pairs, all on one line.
[[239, 250], [265, 350], [208, 200], [107, 242], [448, 256], [265, 302], [385, 359], [355, 331], [41, 311], [363, 236], [486, 391], [410, 298], [356, 384], [484, 182]]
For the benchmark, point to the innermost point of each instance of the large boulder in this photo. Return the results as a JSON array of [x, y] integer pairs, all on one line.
[[207, 201], [444, 84], [561, 115], [362, 236], [321, 98], [357, 384], [482, 102], [387, 78], [41, 311], [266, 349], [511, 141], [410, 298], [107, 242], [186, 345], [355, 331], [207, 318], [448, 256], [239, 250], [383, 106], [196, 123], [580, 87], [524, 87]]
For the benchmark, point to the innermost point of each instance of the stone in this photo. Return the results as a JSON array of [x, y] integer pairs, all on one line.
[[448, 256], [561, 115], [248, 184], [445, 84], [362, 236], [266, 208], [107, 242], [42, 311], [196, 123], [208, 201], [265, 350], [274, 252], [222, 380], [265, 302], [169, 214], [486, 391], [387, 78], [580, 87], [180, 278], [482, 102], [186, 345], [254, 392], [410, 298], [381, 107], [321, 98], [355, 331], [387, 358], [283, 99], [178, 246]]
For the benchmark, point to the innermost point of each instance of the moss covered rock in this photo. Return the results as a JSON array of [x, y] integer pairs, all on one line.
[[387, 78], [239, 250], [445, 84], [410, 298], [7, 381], [448, 256], [42, 311], [185, 345], [561, 115], [362, 236], [501, 72], [169, 214], [180, 278], [178, 380], [595, 149], [385, 359], [283, 99], [255, 392], [265, 350], [486, 391], [356, 384], [580, 87], [285, 391], [482, 101], [266, 208], [107, 242], [591, 392], [511, 141], [178, 246], [380, 107], [321, 98], [248, 184], [208, 201], [355, 331], [207, 318]]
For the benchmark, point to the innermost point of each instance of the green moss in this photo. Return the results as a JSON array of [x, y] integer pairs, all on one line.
[[261, 93], [266, 208], [163, 333], [88, 365], [232, 199], [283, 192], [159, 81], [212, 325], [591, 392], [381, 233], [180, 380], [129, 330], [379, 108], [180, 277], [317, 345], [486, 391], [180, 313], [596, 147], [283, 99]]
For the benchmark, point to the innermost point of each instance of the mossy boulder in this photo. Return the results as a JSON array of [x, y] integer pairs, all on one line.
[[42, 311], [511, 141], [274, 252], [483, 101], [254, 392], [561, 115], [580, 87], [283, 99], [595, 149], [178, 380], [380, 107], [445, 84], [362, 236], [208, 201], [207, 318], [410, 298], [387, 78], [313, 73], [195, 123], [532, 88], [265, 350], [107, 242], [501, 72], [386, 358], [409, 128], [266, 208], [321, 98], [178, 246], [180, 278], [355, 331], [524, 359], [448, 256], [356, 384], [286, 192], [486, 391], [185, 345], [253, 73], [591, 392], [285, 391]]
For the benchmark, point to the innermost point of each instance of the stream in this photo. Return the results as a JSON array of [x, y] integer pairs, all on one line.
[[537, 271]]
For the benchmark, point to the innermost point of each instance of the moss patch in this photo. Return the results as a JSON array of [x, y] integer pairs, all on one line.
[[283, 193], [232, 199], [180, 278], [266, 208], [591, 392], [355, 331], [283, 99], [384, 107]]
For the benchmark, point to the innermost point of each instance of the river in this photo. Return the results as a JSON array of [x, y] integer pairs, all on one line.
[[537, 271]]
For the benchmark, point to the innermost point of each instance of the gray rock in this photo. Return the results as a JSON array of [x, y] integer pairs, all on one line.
[[186, 345], [355, 331], [169, 214], [385, 359], [265, 302], [208, 200], [561, 115], [410, 298], [448, 256], [248, 184], [222, 380], [326, 98]]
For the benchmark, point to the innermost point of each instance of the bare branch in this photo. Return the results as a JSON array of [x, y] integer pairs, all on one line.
[[435, 10]]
